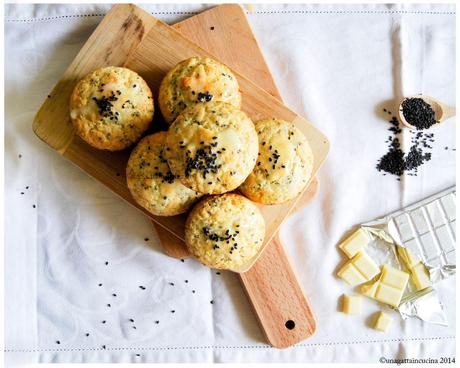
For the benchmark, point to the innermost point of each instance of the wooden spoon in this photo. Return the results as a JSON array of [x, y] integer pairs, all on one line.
[[441, 112]]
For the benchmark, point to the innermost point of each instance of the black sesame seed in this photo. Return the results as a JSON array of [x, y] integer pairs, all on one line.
[[146, 239], [142, 287], [134, 327], [103, 347], [212, 302], [100, 285], [108, 305], [34, 206], [103, 321], [211, 28], [171, 283], [173, 311], [186, 281], [58, 342], [131, 320], [114, 294], [193, 291], [87, 334], [106, 263], [182, 260]]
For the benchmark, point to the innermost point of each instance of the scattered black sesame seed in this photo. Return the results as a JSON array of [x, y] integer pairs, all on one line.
[[142, 287], [182, 260], [212, 302], [146, 239], [19, 156], [131, 320], [103, 321], [157, 322], [87, 334], [217, 273], [138, 355], [34, 206], [100, 285], [134, 327], [58, 342], [211, 28], [173, 311], [22, 192], [103, 347], [108, 305], [49, 96], [27, 187], [171, 283], [186, 281], [106, 263], [114, 294], [193, 291]]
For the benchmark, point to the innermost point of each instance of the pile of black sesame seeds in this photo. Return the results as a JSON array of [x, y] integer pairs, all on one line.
[[396, 161]]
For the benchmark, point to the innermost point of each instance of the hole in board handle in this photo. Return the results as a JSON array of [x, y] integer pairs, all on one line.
[[290, 324]]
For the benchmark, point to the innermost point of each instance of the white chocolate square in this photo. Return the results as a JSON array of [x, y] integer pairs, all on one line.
[[351, 304], [420, 276], [393, 277], [383, 322], [354, 243], [388, 295], [351, 275], [365, 265]]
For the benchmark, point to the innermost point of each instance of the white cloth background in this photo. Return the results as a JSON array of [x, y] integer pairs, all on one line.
[[336, 65]]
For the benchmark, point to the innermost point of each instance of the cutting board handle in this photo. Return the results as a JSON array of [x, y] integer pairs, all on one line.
[[283, 310]]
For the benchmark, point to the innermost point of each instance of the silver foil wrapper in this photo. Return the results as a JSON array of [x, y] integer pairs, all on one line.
[[427, 228]]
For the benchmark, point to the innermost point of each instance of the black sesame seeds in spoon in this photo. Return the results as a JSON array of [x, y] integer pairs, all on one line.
[[418, 113]]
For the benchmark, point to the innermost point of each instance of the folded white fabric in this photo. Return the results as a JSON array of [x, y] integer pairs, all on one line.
[[85, 277]]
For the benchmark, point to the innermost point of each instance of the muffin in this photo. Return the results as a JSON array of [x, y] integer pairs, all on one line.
[[225, 231], [284, 165], [111, 108], [212, 147], [196, 80], [152, 184]]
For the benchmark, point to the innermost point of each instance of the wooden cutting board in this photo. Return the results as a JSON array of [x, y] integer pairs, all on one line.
[[130, 37], [225, 31]]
